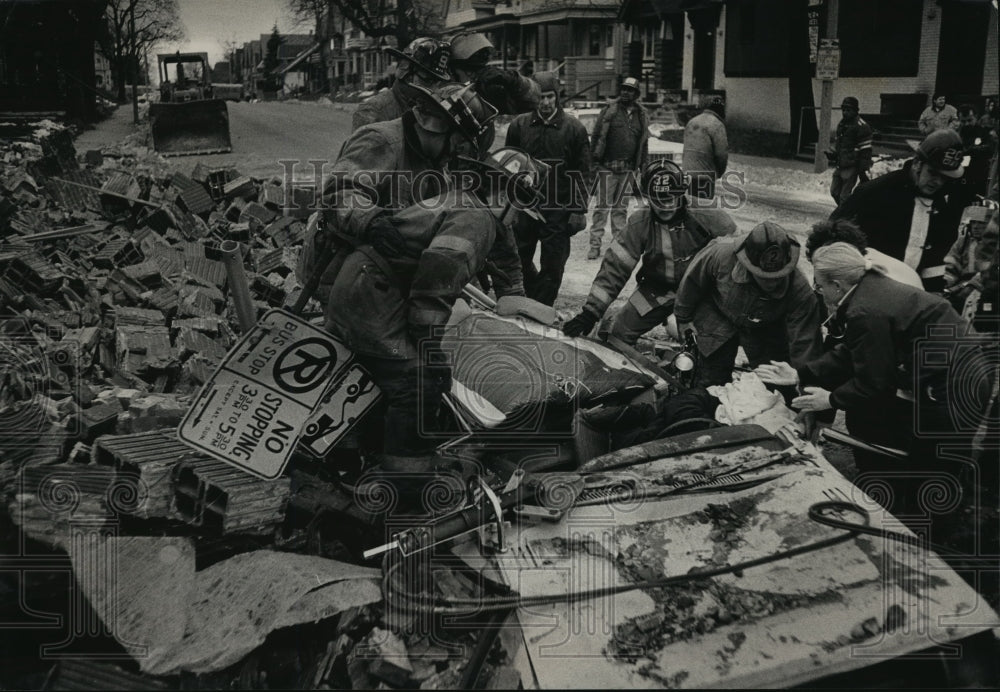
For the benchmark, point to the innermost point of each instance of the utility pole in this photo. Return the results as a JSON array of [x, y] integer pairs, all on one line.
[[826, 102], [135, 66]]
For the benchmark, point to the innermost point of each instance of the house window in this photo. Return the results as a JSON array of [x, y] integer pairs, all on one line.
[[594, 43], [649, 35], [757, 38], [884, 38]]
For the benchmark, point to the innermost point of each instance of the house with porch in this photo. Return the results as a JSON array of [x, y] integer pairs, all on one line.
[[580, 37], [895, 54]]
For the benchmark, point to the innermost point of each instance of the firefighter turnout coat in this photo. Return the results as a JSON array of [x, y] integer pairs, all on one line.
[[666, 249], [375, 302]]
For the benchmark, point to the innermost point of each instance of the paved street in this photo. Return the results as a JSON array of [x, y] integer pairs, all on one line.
[[265, 133]]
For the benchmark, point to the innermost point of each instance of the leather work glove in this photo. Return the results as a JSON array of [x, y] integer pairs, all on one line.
[[831, 157], [581, 324], [577, 222], [383, 235]]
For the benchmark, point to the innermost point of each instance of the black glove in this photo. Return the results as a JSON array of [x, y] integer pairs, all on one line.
[[831, 156], [581, 324], [383, 235]]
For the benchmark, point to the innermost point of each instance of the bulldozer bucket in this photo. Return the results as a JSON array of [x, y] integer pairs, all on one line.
[[190, 127]]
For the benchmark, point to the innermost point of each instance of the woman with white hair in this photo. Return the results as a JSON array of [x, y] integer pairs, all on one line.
[[904, 371]]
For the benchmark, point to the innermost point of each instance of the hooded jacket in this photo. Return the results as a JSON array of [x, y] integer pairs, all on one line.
[[706, 147]]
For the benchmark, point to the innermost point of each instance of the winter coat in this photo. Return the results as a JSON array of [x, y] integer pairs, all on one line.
[[931, 120], [354, 196], [884, 323], [562, 143], [613, 115], [666, 250], [883, 209], [706, 147], [719, 296], [853, 145], [375, 302], [388, 104]]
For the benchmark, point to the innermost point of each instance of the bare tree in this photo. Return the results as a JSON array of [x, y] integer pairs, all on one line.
[[156, 22], [407, 21]]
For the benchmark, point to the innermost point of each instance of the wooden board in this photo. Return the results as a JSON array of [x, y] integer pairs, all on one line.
[[779, 624]]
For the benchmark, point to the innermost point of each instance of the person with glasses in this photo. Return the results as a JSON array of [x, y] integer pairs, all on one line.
[[896, 371], [746, 290], [666, 234]]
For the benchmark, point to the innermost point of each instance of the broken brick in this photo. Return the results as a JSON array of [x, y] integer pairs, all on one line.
[[156, 410], [242, 186]]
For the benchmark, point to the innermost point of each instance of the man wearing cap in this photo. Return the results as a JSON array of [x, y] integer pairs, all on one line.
[[667, 234], [390, 307], [620, 148], [852, 151], [560, 140], [506, 90], [706, 148], [746, 290], [913, 214], [422, 63]]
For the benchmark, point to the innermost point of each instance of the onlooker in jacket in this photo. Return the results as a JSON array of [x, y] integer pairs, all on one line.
[[745, 290], [554, 137], [852, 152], [911, 214], [621, 147], [887, 325], [979, 146], [666, 234], [706, 148], [424, 63], [937, 116]]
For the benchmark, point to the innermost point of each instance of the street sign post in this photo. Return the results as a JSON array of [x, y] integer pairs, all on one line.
[[262, 397], [828, 59]]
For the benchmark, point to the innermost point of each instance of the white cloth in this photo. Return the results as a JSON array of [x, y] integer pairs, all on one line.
[[896, 270], [918, 232]]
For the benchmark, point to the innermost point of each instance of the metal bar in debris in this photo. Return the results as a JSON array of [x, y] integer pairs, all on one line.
[[239, 287], [59, 233], [98, 190]]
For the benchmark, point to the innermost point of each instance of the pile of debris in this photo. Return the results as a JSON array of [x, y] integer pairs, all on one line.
[[114, 309]]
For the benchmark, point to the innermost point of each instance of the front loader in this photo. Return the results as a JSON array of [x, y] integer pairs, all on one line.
[[188, 120]]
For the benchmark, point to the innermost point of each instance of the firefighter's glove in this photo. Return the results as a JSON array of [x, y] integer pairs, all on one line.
[[581, 324], [831, 157], [383, 235], [577, 222]]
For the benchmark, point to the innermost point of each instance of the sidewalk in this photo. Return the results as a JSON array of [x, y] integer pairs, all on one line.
[[110, 131]]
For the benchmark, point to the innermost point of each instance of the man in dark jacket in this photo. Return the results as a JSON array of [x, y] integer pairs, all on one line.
[[666, 234], [560, 140], [422, 63], [978, 145], [912, 214], [852, 152], [706, 148], [746, 290], [620, 148]]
